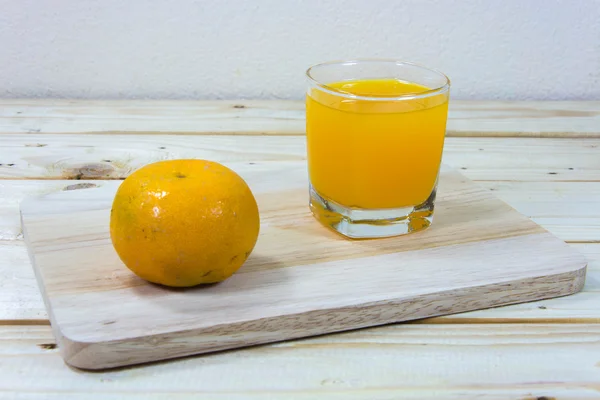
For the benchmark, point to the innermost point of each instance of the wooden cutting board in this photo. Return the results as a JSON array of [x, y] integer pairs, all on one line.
[[301, 279]]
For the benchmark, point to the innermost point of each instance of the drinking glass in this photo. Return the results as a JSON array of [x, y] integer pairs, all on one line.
[[375, 135]]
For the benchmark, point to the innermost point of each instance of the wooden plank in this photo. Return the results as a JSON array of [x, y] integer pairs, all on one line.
[[524, 119], [567, 209], [574, 230], [20, 299], [21, 302], [249, 117], [114, 157], [412, 362], [525, 159], [36, 156], [550, 199], [277, 117]]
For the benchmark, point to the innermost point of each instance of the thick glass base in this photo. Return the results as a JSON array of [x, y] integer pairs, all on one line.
[[358, 223]]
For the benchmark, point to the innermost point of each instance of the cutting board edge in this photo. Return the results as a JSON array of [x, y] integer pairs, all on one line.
[[170, 345], [40, 283]]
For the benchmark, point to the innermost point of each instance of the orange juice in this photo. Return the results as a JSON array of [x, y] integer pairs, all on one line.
[[375, 153]]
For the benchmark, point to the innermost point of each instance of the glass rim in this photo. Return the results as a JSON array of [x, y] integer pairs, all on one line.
[[408, 96]]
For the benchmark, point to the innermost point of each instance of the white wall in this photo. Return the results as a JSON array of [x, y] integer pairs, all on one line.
[[491, 49]]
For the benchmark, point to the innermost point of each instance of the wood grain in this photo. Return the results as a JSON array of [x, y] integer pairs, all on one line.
[[466, 118], [21, 302], [405, 361], [499, 360], [105, 317], [115, 157]]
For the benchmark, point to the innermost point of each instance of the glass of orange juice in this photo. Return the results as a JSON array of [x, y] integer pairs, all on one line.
[[375, 135]]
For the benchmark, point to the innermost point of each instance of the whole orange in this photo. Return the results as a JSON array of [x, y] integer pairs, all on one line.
[[184, 222]]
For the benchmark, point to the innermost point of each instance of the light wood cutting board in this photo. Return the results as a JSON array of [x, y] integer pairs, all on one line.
[[301, 279]]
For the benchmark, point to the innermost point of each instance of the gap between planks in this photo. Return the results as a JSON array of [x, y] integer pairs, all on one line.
[[481, 180], [122, 178], [447, 320], [24, 322], [449, 133]]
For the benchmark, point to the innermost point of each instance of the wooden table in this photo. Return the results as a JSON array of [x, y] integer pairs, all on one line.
[[543, 158]]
